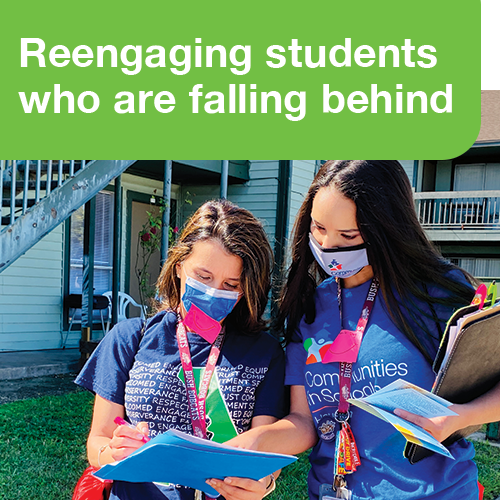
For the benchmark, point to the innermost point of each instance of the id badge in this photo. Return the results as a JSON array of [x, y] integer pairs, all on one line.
[[326, 492]]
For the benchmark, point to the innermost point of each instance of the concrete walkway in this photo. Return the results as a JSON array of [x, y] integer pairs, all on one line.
[[30, 364]]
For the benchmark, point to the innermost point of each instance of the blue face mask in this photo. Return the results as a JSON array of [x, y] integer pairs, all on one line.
[[213, 302]]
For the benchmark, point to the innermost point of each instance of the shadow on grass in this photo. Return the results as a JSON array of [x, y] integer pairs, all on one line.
[[42, 452]]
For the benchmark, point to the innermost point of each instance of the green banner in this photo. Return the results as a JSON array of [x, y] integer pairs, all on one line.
[[261, 79]]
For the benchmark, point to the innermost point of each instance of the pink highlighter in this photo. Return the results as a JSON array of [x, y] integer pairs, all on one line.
[[120, 421]]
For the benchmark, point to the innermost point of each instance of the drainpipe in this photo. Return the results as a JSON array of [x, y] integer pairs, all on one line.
[[282, 214], [224, 172], [167, 190], [117, 246], [88, 276]]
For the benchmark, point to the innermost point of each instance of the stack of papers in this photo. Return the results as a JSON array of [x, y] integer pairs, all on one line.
[[178, 458], [409, 397], [461, 324]]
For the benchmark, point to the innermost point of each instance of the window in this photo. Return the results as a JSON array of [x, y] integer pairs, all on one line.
[[477, 177], [479, 267], [103, 248]]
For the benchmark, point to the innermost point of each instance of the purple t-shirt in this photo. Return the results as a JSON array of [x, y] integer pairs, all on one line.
[[385, 355], [145, 375]]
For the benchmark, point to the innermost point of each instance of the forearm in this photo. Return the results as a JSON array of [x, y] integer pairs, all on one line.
[[96, 443], [293, 434], [482, 410]]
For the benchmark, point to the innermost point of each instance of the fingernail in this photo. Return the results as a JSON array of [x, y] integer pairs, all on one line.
[[210, 481], [228, 480], [397, 412]]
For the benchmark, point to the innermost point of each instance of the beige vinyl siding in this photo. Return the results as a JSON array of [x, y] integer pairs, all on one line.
[[31, 295]]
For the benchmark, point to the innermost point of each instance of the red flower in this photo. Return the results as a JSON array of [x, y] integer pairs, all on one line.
[[176, 230], [145, 237], [153, 230]]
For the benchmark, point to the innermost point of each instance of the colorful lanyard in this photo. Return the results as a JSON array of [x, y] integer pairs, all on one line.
[[346, 368], [346, 452], [197, 401]]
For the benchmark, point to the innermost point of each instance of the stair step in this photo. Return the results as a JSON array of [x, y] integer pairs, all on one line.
[[31, 185], [18, 202], [44, 166]]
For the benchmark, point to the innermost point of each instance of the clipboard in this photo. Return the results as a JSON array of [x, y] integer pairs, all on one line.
[[471, 368]]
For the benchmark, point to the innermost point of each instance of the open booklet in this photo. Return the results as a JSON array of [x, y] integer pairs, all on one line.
[[178, 458], [409, 397]]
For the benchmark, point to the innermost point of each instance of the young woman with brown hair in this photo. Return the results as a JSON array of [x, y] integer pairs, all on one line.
[[214, 289], [365, 303]]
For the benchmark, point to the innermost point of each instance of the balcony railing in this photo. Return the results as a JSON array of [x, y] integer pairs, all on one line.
[[458, 209]]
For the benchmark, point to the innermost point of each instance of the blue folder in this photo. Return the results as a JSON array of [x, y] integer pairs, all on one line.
[[178, 458]]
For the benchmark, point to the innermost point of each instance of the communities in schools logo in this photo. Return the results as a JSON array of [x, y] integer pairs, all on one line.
[[335, 266]]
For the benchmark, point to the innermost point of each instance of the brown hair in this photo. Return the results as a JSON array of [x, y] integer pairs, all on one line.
[[241, 234], [403, 259]]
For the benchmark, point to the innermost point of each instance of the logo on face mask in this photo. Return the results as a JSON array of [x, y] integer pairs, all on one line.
[[335, 266], [347, 261]]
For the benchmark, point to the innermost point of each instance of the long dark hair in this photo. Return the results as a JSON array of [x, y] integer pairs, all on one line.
[[403, 259], [240, 233]]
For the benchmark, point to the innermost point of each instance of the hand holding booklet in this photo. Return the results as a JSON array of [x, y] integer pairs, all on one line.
[[178, 458], [409, 397]]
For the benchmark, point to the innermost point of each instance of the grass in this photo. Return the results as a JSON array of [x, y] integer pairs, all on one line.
[[488, 463], [42, 452]]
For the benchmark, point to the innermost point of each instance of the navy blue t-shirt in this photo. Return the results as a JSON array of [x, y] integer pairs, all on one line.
[[385, 355], [145, 375]]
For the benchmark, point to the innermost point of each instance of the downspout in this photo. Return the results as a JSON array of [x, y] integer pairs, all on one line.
[[88, 277], [167, 195], [224, 174], [117, 247], [282, 213]]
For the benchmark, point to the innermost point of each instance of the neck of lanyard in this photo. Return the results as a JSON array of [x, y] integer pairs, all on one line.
[[342, 414], [197, 401]]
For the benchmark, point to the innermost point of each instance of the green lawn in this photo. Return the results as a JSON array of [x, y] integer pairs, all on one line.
[[42, 452]]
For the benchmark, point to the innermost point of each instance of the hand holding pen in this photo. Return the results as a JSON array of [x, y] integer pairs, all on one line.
[[120, 421], [127, 438]]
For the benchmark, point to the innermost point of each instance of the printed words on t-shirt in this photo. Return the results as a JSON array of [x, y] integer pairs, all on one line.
[[155, 392], [322, 384]]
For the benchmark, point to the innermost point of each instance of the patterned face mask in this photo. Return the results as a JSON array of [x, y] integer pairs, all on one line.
[[341, 262]]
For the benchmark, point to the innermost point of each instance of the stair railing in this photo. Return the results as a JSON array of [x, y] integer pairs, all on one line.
[[24, 183]]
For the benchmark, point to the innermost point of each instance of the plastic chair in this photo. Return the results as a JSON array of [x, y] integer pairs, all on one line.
[[74, 302], [124, 300]]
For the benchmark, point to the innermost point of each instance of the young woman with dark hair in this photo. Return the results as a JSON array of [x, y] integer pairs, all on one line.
[[365, 303], [213, 288]]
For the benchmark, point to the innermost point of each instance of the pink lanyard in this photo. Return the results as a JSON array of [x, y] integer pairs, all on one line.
[[197, 401], [342, 413], [346, 457]]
